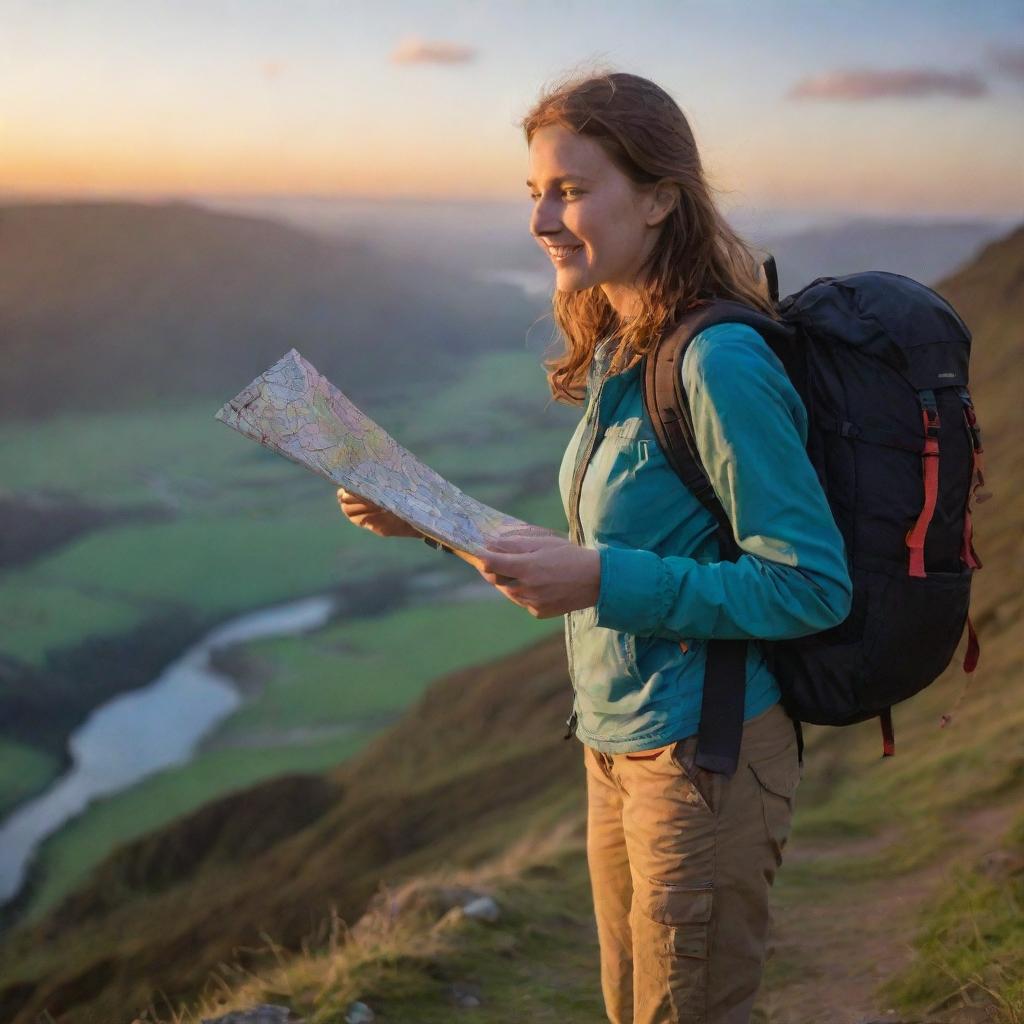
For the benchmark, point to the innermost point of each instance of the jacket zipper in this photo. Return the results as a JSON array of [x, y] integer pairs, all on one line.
[[576, 527]]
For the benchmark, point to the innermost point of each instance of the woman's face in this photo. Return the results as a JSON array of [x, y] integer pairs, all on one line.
[[594, 223]]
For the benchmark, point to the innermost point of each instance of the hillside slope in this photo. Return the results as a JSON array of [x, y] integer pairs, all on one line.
[[108, 305], [478, 765], [476, 761]]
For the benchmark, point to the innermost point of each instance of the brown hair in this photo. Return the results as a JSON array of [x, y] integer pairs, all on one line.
[[696, 256]]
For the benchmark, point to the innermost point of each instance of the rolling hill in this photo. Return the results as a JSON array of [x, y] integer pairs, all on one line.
[[110, 305]]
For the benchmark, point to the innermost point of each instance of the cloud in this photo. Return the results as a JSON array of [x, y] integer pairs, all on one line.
[[419, 51], [1009, 60], [272, 69], [871, 85]]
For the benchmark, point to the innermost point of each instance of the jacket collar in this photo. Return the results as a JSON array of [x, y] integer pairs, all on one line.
[[614, 384]]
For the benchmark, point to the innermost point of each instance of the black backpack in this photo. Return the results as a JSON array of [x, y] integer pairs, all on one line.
[[880, 362]]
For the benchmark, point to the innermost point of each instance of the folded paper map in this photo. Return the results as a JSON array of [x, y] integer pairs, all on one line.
[[294, 411]]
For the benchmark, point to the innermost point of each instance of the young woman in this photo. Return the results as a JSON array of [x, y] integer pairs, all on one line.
[[681, 859]]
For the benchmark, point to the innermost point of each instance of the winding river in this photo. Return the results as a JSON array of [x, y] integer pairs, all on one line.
[[161, 724]]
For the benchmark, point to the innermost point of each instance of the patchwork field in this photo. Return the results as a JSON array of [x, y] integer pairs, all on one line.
[[248, 530]]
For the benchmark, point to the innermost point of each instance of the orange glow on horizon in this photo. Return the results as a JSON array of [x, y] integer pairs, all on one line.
[[403, 169]]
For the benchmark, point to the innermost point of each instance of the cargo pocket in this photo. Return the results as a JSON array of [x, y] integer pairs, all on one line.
[[778, 777], [705, 786], [671, 926]]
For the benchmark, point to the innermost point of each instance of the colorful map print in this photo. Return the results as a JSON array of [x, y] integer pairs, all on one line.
[[294, 411]]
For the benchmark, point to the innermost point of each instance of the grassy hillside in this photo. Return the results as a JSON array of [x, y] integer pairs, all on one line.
[[902, 886], [111, 305], [455, 780]]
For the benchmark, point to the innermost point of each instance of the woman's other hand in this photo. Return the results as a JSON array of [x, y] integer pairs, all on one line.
[[372, 517], [543, 571]]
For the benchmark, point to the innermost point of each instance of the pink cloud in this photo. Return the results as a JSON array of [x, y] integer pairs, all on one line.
[[420, 51], [871, 85], [1009, 59]]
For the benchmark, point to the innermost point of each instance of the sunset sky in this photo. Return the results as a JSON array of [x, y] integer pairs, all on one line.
[[909, 107]]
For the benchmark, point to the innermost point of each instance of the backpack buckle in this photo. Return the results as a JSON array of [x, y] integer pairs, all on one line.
[[930, 421]]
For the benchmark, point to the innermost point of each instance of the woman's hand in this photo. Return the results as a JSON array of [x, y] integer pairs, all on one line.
[[372, 517], [544, 572]]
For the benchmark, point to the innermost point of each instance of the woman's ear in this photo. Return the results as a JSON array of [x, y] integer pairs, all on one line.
[[663, 197]]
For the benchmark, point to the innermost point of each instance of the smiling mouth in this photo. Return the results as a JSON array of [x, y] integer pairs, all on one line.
[[562, 252]]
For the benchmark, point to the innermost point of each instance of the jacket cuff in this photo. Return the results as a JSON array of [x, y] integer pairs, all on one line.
[[635, 592]]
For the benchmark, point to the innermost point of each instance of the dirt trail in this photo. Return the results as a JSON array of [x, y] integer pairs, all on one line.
[[830, 958]]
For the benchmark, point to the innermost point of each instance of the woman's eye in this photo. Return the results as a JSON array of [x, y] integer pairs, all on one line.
[[536, 195]]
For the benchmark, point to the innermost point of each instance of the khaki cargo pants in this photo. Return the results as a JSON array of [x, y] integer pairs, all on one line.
[[681, 862]]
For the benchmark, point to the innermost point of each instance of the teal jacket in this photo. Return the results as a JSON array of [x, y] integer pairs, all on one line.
[[662, 582]]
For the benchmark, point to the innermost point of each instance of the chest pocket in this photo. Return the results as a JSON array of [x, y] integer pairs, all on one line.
[[631, 432], [631, 495]]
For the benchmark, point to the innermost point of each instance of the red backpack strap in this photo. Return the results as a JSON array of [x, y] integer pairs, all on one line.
[[973, 652], [930, 473], [888, 736], [967, 552]]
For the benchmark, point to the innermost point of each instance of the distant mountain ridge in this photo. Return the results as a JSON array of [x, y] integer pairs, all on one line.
[[925, 251], [110, 304], [493, 238]]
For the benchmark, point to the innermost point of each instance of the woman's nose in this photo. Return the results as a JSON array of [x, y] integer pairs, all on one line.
[[544, 220]]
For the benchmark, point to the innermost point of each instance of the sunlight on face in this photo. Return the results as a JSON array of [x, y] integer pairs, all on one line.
[[588, 210]]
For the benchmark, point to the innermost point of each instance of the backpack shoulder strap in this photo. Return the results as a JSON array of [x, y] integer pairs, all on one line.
[[669, 410], [724, 696]]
